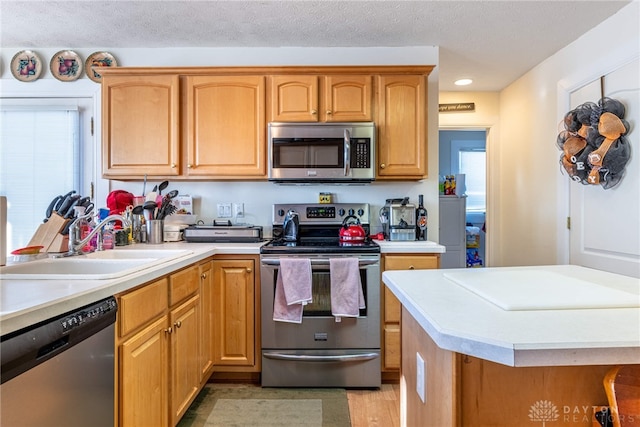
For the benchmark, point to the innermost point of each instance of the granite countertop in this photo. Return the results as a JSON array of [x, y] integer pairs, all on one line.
[[526, 316], [25, 302]]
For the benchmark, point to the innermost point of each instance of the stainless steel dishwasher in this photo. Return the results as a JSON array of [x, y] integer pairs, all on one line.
[[60, 372]]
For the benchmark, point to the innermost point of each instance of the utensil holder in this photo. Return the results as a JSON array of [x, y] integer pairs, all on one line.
[[155, 231]]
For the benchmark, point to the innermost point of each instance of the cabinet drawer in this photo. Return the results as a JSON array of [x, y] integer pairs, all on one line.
[[183, 284], [142, 305], [404, 262]]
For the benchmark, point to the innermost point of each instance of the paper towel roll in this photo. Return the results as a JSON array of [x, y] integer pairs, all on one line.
[[460, 185]]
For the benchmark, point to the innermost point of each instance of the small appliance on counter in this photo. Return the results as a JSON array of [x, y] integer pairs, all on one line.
[[223, 232], [398, 218]]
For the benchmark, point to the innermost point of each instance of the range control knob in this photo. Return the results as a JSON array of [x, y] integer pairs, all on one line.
[[341, 212], [360, 212], [280, 212], [351, 211]]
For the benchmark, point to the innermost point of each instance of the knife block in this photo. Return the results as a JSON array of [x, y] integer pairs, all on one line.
[[49, 237]]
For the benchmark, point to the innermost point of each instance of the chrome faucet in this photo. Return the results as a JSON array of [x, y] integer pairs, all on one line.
[[76, 245]]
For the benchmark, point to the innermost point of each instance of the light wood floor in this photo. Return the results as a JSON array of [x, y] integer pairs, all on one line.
[[375, 408]]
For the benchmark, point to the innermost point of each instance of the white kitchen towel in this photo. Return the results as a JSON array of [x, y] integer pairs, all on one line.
[[347, 297], [293, 289]]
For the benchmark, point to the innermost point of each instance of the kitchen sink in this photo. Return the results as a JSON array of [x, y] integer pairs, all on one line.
[[124, 254], [95, 266]]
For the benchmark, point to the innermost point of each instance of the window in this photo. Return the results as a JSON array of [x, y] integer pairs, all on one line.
[[472, 163], [43, 153]]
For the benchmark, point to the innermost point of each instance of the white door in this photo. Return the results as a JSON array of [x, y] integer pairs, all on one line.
[[605, 224]]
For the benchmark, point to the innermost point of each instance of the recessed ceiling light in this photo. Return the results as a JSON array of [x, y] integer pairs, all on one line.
[[463, 82]]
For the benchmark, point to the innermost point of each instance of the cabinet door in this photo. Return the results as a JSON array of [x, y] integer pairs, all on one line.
[[226, 131], [185, 360], [140, 126], [347, 99], [143, 377], [206, 320], [402, 127], [391, 306], [294, 98], [234, 312]]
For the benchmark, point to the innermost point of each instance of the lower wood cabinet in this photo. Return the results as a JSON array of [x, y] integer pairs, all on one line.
[[236, 314], [390, 316], [159, 350]]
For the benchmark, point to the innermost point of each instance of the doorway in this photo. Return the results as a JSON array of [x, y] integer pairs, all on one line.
[[463, 151]]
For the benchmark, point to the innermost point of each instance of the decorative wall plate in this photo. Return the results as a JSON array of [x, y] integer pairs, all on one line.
[[66, 66], [97, 60], [26, 66]]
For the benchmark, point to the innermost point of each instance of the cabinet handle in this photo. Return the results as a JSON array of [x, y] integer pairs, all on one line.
[[329, 112], [382, 166], [204, 276], [173, 165], [177, 324], [189, 166], [168, 330], [249, 270], [411, 267], [314, 112]]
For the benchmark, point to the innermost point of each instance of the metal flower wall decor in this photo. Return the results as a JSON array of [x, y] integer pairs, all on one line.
[[595, 149]]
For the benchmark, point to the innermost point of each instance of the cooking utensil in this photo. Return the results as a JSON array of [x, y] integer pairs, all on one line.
[[138, 210], [163, 185], [144, 185], [51, 206], [150, 207], [352, 232], [71, 212]]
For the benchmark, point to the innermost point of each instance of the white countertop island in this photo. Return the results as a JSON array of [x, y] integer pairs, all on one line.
[[509, 338]]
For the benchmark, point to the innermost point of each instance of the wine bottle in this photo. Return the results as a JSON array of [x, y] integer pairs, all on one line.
[[421, 220]]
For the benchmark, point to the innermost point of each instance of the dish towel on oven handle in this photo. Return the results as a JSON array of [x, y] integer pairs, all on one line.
[[293, 289], [346, 288]]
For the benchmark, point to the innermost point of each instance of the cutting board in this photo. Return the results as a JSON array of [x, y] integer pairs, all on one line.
[[47, 232], [531, 289]]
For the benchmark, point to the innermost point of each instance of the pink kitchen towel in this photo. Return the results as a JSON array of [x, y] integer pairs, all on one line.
[[293, 289], [346, 288]]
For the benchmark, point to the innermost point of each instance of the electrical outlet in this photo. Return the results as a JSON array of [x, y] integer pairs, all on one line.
[[238, 210], [224, 210], [420, 377]]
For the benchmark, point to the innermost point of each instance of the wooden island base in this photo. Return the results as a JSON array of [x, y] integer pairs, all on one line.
[[467, 391]]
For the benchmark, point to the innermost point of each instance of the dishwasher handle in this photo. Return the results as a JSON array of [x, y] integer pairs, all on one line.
[[29, 347]]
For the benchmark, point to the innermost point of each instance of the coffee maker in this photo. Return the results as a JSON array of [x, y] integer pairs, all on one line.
[[398, 218]]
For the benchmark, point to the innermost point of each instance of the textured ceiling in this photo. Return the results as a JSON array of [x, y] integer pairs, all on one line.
[[494, 42]]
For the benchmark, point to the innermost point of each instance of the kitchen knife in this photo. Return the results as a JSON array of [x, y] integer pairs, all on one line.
[[70, 211], [64, 206], [51, 206]]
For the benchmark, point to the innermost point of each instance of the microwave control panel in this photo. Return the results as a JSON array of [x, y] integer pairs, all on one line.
[[360, 153]]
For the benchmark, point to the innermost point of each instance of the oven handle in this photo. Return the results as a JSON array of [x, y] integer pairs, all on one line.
[[309, 358], [323, 261]]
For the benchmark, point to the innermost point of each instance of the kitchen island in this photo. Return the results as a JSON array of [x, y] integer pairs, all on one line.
[[509, 346]]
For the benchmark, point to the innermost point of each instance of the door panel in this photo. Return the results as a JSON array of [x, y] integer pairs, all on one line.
[[605, 231]]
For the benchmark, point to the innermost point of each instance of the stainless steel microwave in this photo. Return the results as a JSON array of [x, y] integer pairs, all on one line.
[[322, 152]]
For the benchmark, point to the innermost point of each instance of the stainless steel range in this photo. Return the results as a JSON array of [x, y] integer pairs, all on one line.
[[322, 350]]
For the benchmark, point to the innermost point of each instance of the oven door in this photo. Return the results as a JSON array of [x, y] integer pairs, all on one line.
[[320, 351]]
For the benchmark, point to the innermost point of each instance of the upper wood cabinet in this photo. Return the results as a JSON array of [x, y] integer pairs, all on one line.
[[211, 122], [226, 130], [140, 125], [312, 98], [402, 126]]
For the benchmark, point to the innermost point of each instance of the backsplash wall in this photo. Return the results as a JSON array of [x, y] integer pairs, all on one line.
[[258, 197]]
